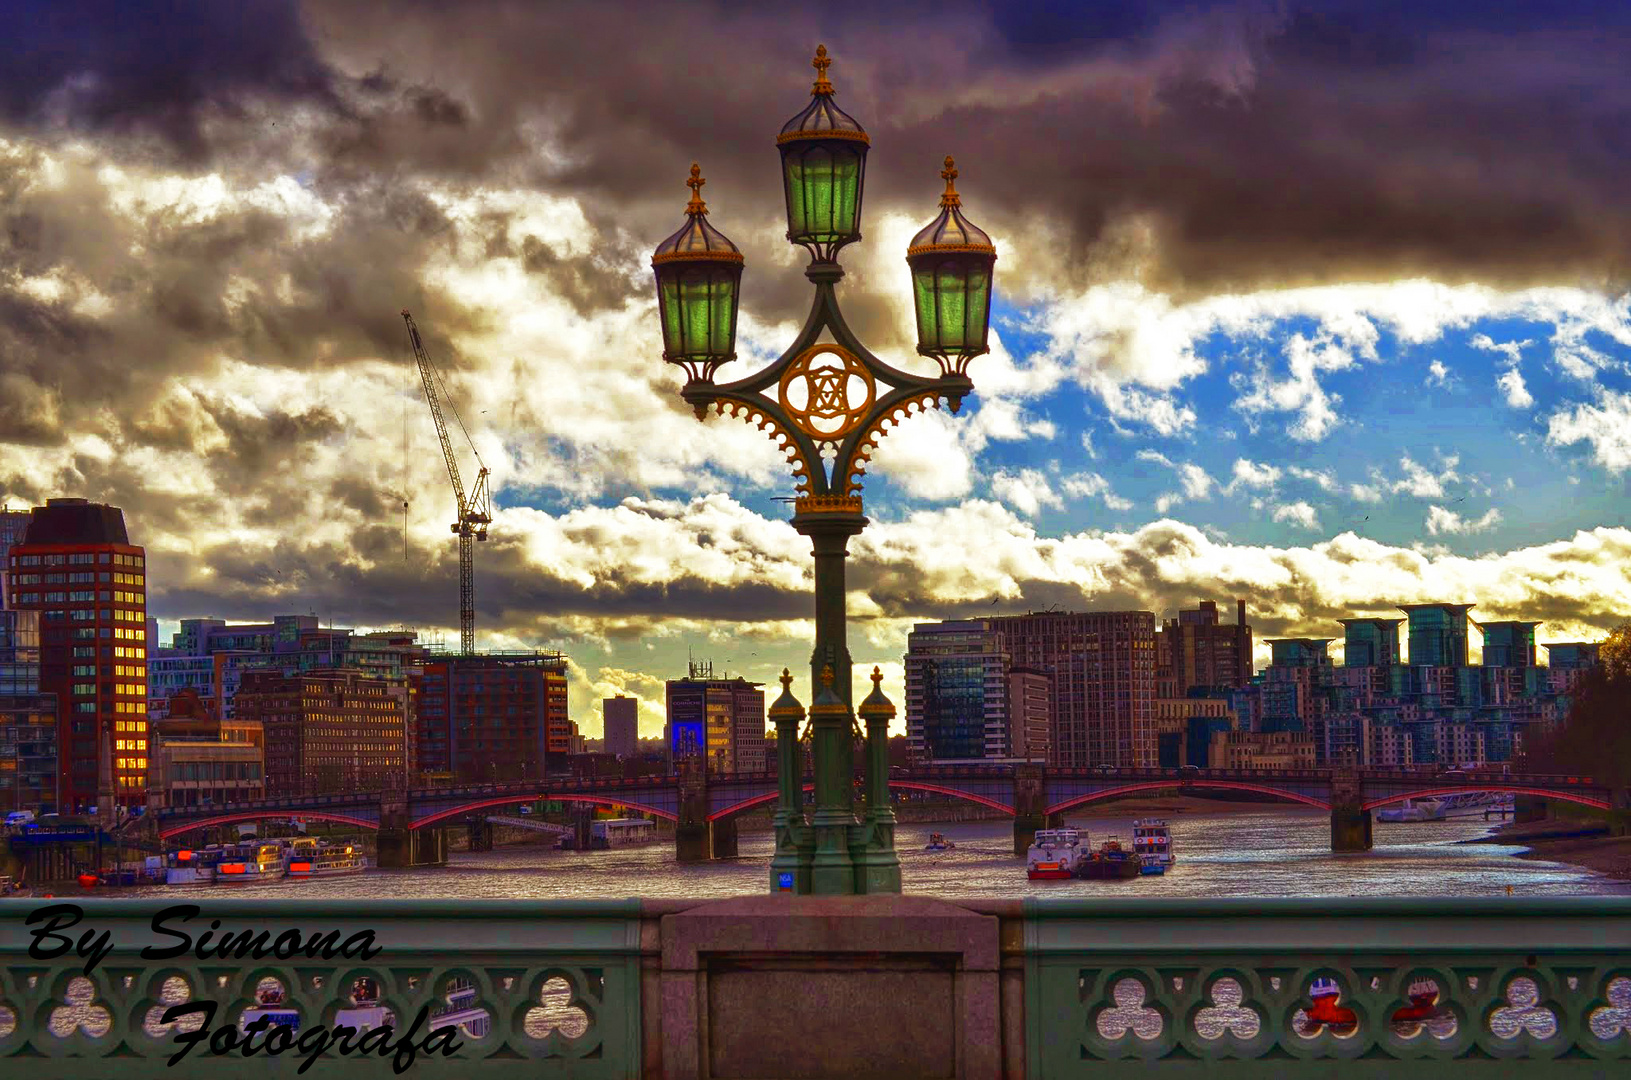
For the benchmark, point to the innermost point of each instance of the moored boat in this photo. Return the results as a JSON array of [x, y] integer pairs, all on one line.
[[1152, 843], [1055, 854], [252, 862], [938, 842], [308, 860], [1111, 862]]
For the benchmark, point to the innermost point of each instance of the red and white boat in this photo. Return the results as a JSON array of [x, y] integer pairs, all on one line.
[[1055, 855]]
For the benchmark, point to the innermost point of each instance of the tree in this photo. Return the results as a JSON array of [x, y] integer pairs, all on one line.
[[1595, 738]]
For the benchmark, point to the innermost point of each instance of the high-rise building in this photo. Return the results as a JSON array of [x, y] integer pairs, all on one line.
[[1030, 713], [1370, 642], [1195, 649], [28, 718], [621, 732], [1438, 634], [1101, 666], [490, 717], [328, 731], [721, 720], [13, 523], [1509, 644], [75, 565], [967, 701], [957, 691]]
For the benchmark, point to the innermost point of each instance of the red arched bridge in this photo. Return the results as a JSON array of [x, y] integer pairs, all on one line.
[[1030, 794]]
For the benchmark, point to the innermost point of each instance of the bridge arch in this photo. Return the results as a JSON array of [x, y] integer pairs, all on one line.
[[1153, 785], [913, 785], [511, 800], [1562, 795], [265, 815]]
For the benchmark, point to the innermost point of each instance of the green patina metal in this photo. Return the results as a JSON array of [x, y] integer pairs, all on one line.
[[827, 400], [559, 981], [1520, 987]]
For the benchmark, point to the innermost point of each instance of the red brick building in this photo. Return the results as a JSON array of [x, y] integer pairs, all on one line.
[[327, 731], [76, 566], [500, 716], [1195, 649], [1101, 666]]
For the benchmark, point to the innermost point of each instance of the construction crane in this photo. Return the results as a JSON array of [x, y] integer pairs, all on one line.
[[475, 512]]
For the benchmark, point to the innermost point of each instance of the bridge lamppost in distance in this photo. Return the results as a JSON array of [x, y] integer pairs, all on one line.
[[826, 403]]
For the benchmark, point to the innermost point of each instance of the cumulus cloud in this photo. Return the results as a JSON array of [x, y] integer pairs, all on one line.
[[1511, 385], [1027, 491], [1437, 374], [1606, 426], [1422, 482], [1084, 485], [1298, 513], [1441, 521], [1251, 474]]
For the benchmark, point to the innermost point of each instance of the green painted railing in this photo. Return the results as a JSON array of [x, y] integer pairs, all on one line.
[[1434, 988], [558, 983]]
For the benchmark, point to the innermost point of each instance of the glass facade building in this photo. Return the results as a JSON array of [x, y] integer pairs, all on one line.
[[1370, 642], [1438, 634]]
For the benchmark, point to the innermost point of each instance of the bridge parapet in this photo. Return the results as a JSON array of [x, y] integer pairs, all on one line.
[[1040, 988]]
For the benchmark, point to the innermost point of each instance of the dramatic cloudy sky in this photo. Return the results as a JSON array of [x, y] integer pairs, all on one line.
[[1323, 305]]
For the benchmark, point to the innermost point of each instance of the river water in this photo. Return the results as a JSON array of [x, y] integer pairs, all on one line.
[[1268, 851]]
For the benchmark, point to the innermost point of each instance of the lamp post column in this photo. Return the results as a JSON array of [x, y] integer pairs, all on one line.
[[790, 865]]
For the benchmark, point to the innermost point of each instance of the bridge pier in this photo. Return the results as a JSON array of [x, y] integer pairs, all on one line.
[[402, 848], [1528, 808], [480, 835], [691, 839], [1350, 829], [723, 838], [1030, 806]]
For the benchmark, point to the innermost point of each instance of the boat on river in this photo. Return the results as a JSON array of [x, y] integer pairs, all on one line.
[[308, 859], [1055, 855], [938, 842], [269, 1006], [251, 862], [1111, 862], [1152, 843]]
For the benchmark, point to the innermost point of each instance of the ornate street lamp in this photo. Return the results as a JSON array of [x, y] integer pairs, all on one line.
[[826, 402]]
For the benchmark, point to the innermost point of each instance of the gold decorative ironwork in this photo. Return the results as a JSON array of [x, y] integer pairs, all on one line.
[[948, 174], [881, 427], [783, 438], [827, 504], [696, 205], [821, 62], [827, 412]]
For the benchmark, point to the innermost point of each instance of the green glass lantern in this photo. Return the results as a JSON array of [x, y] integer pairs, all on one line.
[[699, 278], [951, 263], [823, 153]]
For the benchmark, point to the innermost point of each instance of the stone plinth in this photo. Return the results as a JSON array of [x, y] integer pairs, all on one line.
[[800, 987]]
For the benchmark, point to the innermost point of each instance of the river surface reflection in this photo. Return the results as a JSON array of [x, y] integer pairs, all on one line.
[[1272, 851]]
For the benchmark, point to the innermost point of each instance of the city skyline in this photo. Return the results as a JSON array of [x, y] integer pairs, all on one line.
[[1212, 388]]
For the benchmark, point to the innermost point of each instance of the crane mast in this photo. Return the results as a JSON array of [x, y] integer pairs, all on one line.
[[476, 511]]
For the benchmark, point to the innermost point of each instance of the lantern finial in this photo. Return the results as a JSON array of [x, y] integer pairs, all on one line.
[[821, 63], [949, 175], [696, 205]]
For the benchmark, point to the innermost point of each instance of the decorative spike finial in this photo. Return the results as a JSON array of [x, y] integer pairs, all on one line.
[[696, 205], [877, 677], [949, 175], [787, 681], [821, 62], [826, 675]]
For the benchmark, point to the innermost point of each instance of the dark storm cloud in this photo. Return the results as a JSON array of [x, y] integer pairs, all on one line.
[[159, 71]]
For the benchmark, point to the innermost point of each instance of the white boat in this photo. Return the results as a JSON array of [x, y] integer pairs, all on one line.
[[1055, 854], [1414, 810], [251, 862], [309, 859], [1152, 843], [621, 832]]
